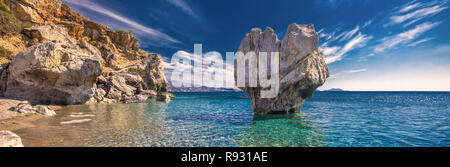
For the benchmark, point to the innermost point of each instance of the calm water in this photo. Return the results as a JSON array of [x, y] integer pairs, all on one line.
[[225, 119]]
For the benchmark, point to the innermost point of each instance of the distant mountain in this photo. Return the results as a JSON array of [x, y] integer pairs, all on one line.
[[334, 90]]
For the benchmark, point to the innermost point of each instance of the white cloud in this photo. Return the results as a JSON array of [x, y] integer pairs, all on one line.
[[169, 67], [347, 35], [420, 41], [409, 7], [367, 23], [355, 71], [327, 51], [137, 28], [333, 76], [357, 42], [324, 35], [183, 6], [416, 15], [321, 30], [404, 37]]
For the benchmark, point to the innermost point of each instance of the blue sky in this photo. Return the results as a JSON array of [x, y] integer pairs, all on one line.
[[368, 44]]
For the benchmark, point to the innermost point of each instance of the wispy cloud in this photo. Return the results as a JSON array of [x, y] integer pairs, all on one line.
[[325, 35], [348, 34], [420, 41], [367, 23], [413, 15], [355, 71], [137, 28], [183, 6], [327, 51], [404, 37], [409, 6], [347, 72], [208, 69], [358, 41]]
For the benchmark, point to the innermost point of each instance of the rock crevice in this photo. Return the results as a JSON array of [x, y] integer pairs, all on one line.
[[65, 58]]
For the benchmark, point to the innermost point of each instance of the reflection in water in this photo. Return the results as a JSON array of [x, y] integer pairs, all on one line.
[[111, 125], [129, 125], [225, 119], [293, 130], [190, 120]]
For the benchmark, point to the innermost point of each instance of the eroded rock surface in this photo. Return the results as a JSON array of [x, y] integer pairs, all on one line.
[[26, 108], [54, 73], [56, 56], [10, 139], [302, 67]]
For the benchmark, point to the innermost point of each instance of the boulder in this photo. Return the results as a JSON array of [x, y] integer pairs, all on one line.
[[302, 67], [27, 13], [44, 110], [10, 139], [164, 97], [127, 87], [135, 98], [46, 33], [67, 59], [26, 108], [58, 72]]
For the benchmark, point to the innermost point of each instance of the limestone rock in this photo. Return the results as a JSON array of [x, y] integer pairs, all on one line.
[[27, 13], [54, 73], [150, 93], [67, 59], [164, 97], [26, 108], [46, 32], [135, 98], [10, 139], [44, 110], [99, 95], [302, 67]]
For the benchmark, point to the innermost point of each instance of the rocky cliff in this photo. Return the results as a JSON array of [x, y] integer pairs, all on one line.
[[302, 67], [53, 55]]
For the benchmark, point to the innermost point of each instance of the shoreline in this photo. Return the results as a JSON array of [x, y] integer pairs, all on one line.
[[13, 121]]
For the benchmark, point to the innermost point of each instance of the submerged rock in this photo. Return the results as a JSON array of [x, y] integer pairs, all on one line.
[[165, 97], [10, 139], [25, 108], [302, 67]]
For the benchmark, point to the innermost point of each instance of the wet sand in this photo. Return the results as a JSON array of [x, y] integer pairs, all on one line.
[[16, 122]]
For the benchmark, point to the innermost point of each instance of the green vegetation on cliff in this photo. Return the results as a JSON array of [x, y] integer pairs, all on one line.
[[8, 22], [3, 8]]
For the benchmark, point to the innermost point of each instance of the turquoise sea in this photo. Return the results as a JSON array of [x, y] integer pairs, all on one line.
[[336, 119]]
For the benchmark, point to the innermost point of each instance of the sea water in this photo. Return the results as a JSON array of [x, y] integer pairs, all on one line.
[[334, 119]]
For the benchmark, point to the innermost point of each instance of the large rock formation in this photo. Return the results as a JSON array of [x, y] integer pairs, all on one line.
[[56, 56], [302, 67]]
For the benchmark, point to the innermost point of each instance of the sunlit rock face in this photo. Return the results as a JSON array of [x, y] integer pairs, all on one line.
[[302, 67], [10, 139], [57, 56], [55, 73]]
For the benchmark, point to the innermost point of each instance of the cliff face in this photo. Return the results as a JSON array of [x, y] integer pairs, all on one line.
[[302, 68], [51, 54]]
